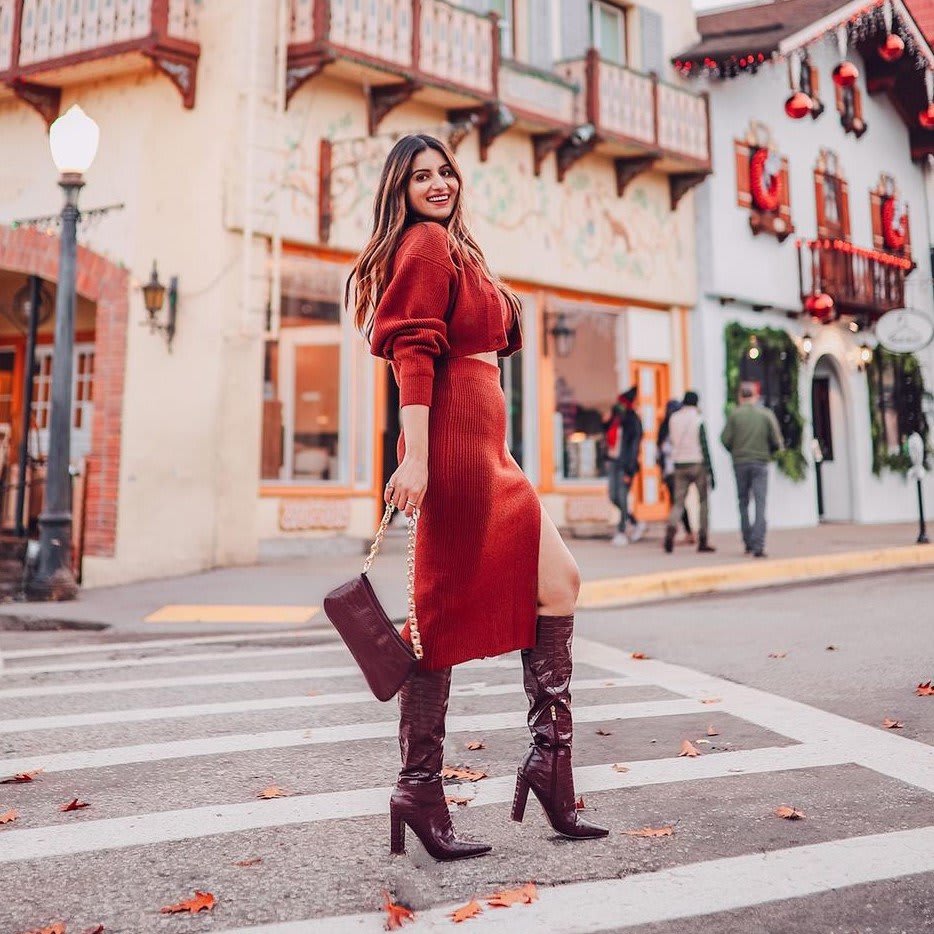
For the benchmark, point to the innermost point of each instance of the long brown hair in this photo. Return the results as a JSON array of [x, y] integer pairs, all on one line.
[[391, 216]]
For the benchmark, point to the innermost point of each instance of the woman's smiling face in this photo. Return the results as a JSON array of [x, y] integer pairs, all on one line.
[[433, 186]]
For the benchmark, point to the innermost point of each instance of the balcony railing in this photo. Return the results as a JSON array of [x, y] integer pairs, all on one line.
[[860, 281], [38, 36], [633, 107]]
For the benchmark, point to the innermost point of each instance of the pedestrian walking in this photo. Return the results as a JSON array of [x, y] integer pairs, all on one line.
[[666, 463], [752, 436], [623, 442], [691, 457], [492, 573]]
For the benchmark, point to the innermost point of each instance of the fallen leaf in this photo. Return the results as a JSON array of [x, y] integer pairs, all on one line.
[[202, 901], [711, 731], [74, 805], [619, 767], [396, 915], [97, 929], [9, 816], [255, 861], [831, 648], [666, 831], [57, 927], [454, 799], [579, 804], [470, 910], [926, 689], [688, 749], [604, 732], [273, 791], [474, 745], [891, 724], [639, 656], [20, 778], [777, 654], [711, 700], [467, 775], [789, 813], [508, 897]]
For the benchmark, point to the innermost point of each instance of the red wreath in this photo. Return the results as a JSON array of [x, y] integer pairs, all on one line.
[[765, 199], [892, 236]]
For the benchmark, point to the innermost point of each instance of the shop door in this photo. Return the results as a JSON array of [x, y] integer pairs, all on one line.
[[649, 497], [82, 407]]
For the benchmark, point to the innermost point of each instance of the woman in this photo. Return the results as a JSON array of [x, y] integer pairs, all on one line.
[[667, 464], [492, 573]]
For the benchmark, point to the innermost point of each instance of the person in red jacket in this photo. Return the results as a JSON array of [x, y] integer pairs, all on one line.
[[492, 573]]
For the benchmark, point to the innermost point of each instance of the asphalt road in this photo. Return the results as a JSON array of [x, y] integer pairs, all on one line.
[[170, 743]]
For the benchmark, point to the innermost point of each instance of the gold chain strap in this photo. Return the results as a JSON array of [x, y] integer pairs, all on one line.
[[409, 567]]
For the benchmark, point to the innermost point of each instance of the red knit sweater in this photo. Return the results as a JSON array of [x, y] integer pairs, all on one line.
[[433, 308]]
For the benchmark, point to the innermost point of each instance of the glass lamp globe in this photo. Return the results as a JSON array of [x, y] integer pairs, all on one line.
[[73, 139]]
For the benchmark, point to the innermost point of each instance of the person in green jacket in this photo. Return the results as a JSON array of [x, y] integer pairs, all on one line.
[[752, 436]]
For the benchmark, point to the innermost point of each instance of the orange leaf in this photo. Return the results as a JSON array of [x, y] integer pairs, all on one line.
[[58, 927], [666, 831], [470, 910], [202, 901], [74, 805], [789, 813], [688, 749], [831, 648], [777, 654], [20, 778], [579, 804], [312, 693], [9, 816], [474, 745], [926, 689], [619, 767], [467, 775], [604, 732], [639, 656], [249, 862], [454, 799], [891, 724], [273, 791], [711, 700], [397, 915], [508, 897], [711, 731]]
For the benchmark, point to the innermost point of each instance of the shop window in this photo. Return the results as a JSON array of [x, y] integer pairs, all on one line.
[[832, 198], [586, 386], [608, 31], [762, 183], [505, 9], [896, 398], [891, 230], [305, 429], [7, 363], [512, 389], [82, 388]]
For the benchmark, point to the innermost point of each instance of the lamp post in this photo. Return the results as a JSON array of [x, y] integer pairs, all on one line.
[[73, 139]]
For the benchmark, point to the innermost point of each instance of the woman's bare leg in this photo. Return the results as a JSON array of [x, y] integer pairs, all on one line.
[[559, 578]]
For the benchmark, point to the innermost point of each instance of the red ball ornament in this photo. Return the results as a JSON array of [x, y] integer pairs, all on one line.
[[926, 117], [845, 75], [798, 105], [819, 306], [892, 49]]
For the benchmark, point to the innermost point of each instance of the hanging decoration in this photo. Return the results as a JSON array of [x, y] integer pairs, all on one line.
[[765, 167], [894, 224], [893, 46], [798, 105], [820, 306], [844, 246], [926, 116], [845, 74]]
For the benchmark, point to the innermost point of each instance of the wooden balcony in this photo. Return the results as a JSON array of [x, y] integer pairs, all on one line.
[[48, 44], [643, 121], [865, 283]]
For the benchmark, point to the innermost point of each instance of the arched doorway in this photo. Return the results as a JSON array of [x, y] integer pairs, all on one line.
[[832, 442]]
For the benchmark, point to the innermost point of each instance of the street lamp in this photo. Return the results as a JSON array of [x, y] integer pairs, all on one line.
[[73, 140]]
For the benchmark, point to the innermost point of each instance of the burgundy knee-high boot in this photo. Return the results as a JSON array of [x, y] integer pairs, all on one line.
[[546, 769], [418, 798]]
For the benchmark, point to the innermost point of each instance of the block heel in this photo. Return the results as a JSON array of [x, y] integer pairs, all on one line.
[[396, 834], [520, 799]]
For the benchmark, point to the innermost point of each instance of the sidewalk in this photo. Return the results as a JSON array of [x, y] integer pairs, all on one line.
[[286, 593]]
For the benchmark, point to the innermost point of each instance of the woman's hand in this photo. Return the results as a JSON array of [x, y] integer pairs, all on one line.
[[406, 487]]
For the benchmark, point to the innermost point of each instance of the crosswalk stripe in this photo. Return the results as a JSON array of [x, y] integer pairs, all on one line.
[[99, 665], [191, 823], [243, 677], [102, 647], [688, 891], [283, 739], [184, 711]]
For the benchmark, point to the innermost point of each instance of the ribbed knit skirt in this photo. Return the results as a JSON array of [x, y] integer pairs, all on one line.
[[476, 554]]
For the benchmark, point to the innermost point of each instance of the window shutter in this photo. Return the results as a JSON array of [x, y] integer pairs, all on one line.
[[875, 213], [857, 103], [843, 200], [575, 28], [815, 83], [819, 203], [651, 29], [784, 207], [743, 192], [907, 249]]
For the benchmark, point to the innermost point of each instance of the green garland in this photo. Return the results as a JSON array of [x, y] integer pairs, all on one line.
[[897, 461], [791, 460]]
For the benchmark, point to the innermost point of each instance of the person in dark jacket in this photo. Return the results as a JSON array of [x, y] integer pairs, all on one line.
[[623, 442]]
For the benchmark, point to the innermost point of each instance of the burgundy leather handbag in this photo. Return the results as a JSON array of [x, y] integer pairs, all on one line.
[[384, 657]]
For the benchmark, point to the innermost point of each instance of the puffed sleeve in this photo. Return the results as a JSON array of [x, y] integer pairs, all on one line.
[[409, 326], [513, 338]]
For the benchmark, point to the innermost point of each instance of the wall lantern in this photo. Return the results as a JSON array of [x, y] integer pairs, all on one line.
[[806, 347], [865, 356], [562, 335], [154, 293], [754, 352]]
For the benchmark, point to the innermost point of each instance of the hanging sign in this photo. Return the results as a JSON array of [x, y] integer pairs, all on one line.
[[904, 330]]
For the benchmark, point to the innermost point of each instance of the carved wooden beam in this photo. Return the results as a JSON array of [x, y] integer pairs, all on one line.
[[382, 99], [569, 153], [462, 121], [629, 167], [303, 65], [182, 71], [45, 100], [491, 119], [543, 144], [681, 183]]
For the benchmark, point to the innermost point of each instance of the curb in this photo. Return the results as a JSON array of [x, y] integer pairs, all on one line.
[[724, 578]]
